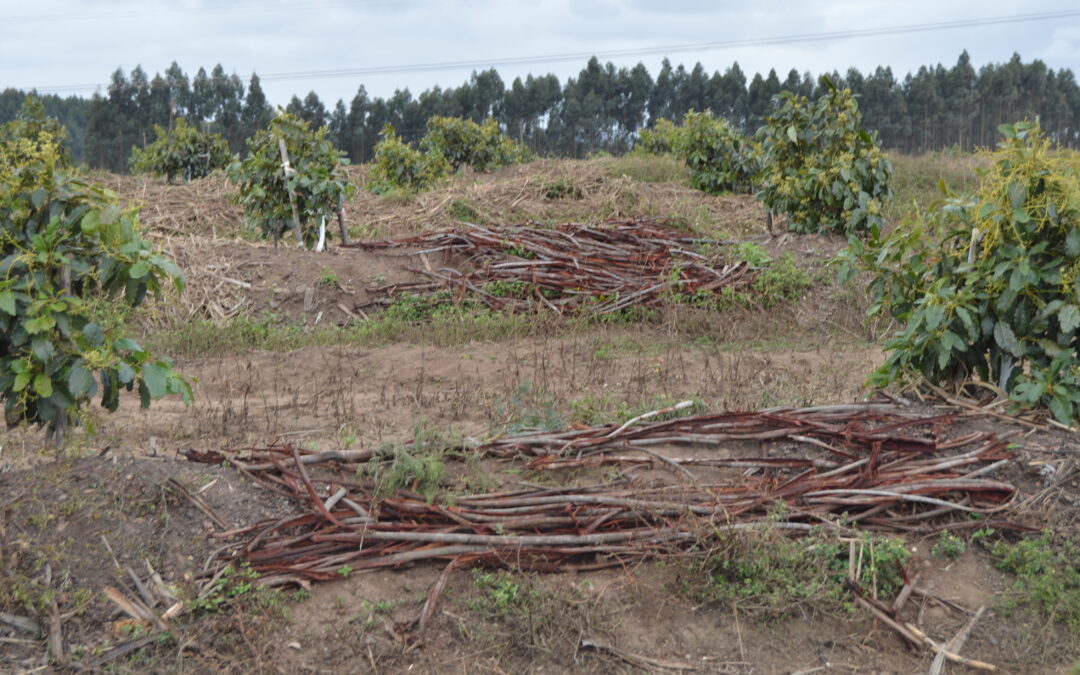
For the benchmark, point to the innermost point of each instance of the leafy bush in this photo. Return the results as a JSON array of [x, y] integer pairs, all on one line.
[[821, 168], [72, 265], [185, 151], [449, 143], [989, 284], [662, 139], [398, 166], [483, 147], [317, 182], [720, 159]]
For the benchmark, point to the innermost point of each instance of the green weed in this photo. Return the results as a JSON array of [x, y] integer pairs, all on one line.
[[774, 576], [948, 546], [1047, 579]]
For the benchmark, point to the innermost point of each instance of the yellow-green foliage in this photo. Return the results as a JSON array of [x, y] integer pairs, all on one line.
[[398, 166], [821, 168], [185, 151], [989, 284], [483, 147], [660, 140], [449, 144]]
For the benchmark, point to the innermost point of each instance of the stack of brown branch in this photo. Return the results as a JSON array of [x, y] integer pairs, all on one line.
[[602, 269], [840, 466]]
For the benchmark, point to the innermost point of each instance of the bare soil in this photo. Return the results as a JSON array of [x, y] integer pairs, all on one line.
[[56, 512]]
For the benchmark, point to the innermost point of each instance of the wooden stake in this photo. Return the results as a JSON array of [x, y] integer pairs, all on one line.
[[292, 198]]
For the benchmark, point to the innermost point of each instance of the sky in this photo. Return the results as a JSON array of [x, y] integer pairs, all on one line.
[[71, 47]]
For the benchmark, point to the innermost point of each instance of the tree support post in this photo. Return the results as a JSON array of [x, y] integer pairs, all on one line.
[[292, 198]]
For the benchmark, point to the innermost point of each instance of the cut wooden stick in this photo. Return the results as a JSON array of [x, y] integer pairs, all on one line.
[[955, 658], [956, 644]]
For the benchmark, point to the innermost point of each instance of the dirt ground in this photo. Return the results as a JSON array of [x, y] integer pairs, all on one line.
[[74, 523]]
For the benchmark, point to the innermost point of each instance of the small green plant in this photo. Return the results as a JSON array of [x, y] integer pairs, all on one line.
[[948, 546], [328, 278], [820, 167], [183, 151], [344, 571], [418, 466], [1047, 577], [316, 185], [500, 593], [524, 410], [233, 582]]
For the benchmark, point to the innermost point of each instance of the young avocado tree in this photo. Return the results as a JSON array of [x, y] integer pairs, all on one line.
[[72, 267], [988, 285], [820, 168], [185, 151], [292, 179]]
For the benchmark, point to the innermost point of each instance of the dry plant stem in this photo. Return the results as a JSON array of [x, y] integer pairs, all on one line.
[[956, 644], [955, 658], [881, 466]]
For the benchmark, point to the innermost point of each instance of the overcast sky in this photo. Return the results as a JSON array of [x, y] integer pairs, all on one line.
[[51, 43]]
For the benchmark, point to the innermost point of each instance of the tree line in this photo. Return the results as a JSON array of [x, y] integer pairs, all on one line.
[[602, 108]]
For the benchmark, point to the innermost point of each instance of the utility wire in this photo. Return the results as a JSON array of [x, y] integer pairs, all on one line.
[[216, 8], [646, 51]]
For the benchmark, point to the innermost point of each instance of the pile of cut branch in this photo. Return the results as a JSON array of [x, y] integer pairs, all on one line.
[[598, 269], [838, 467]]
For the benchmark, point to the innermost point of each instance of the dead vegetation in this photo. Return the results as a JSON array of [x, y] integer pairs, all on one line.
[[455, 407]]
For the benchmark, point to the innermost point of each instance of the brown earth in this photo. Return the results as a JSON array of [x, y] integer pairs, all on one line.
[[54, 513]]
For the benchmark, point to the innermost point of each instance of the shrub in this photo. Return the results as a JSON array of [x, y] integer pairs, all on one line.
[[660, 140], [185, 151], [821, 168], [720, 159], [461, 141], [398, 166], [989, 284], [72, 265], [317, 183]]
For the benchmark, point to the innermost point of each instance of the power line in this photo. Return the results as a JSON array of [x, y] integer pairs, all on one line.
[[646, 51], [216, 8]]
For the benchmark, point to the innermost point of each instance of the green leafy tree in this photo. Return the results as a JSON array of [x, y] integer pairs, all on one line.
[[989, 285], [661, 139], [720, 159], [821, 168], [399, 166], [461, 141], [185, 151], [315, 185], [72, 266]]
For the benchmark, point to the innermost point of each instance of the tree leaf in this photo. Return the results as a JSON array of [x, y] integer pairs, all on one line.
[[7, 302], [1069, 318], [154, 377], [1006, 339], [43, 385], [80, 379], [139, 269]]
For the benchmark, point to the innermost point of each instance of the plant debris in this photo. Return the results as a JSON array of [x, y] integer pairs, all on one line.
[[599, 269], [868, 466]]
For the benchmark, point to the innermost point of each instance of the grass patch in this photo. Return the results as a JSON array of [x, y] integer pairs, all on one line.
[[916, 178], [647, 168], [773, 576], [438, 326]]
